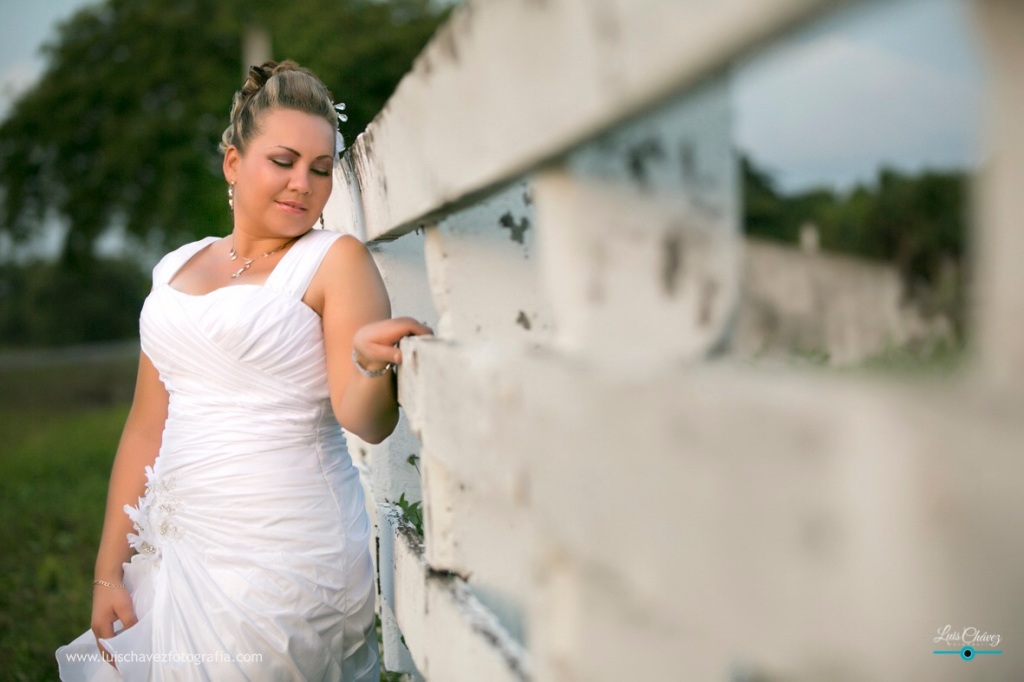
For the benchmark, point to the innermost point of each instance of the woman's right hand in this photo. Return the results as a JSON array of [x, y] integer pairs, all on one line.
[[377, 342], [110, 604]]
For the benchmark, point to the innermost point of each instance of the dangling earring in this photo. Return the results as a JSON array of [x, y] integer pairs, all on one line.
[[231, 195], [322, 226]]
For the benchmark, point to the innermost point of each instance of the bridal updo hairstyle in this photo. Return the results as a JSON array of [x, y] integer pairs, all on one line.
[[271, 85]]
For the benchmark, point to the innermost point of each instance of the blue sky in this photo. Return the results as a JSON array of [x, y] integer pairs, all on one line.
[[24, 26], [884, 81]]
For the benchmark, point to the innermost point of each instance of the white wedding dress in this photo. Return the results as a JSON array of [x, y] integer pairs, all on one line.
[[252, 537]]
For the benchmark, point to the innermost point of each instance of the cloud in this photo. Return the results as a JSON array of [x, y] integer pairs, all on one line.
[[15, 80], [840, 107]]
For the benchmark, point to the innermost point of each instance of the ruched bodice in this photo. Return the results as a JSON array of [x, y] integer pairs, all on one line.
[[252, 535]]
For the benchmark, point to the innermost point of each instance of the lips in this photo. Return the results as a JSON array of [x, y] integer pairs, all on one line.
[[291, 207]]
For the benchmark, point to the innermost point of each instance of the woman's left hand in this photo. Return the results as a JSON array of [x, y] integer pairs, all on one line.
[[375, 344]]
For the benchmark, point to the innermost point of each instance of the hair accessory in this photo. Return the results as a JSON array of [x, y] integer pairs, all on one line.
[[371, 374], [339, 138]]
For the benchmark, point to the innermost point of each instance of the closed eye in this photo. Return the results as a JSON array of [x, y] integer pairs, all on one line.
[[288, 164]]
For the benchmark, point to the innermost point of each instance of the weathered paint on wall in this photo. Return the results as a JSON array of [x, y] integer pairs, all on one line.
[[602, 501]]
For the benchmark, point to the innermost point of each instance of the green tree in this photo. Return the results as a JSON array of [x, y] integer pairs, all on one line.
[[36, 308], [122, 129], [917, 222], [762, 204], [124, 124]]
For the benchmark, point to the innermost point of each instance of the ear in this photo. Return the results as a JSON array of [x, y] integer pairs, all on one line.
[[232, 157]]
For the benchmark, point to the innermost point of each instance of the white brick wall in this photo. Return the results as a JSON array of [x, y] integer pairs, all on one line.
[[552, 188]]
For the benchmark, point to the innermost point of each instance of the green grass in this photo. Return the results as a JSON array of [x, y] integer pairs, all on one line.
[[59, 427], [927, 362], [940, 360], [54, 468], [53, 485]]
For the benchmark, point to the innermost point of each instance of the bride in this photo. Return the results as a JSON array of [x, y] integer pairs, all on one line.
[[235, 544]]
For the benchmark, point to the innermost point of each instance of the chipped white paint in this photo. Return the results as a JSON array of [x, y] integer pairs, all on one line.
[[505, 86], [600, 502], [697, 513], [481, 274], [647, 232], [440, 614]]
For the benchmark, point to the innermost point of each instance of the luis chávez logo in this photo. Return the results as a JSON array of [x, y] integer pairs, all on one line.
[[972, 642]]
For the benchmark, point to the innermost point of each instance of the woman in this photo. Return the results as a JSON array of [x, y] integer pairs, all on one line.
[[232, 483]]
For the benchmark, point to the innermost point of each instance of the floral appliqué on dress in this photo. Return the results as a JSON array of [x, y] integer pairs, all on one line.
[[153, 516]]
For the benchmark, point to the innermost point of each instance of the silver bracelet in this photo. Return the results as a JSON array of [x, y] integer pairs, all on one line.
[[371, 374]]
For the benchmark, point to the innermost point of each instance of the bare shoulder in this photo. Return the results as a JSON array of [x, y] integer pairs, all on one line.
[[347, 268], [347, 262], [347, 249]]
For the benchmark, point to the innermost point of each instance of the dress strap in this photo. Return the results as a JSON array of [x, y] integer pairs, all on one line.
[[296, 269], [169, 265]]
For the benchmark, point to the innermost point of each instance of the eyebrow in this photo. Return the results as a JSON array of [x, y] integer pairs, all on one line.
[[296, 153]]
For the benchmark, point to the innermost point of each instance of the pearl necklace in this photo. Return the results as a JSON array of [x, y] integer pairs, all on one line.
[[249, 261]]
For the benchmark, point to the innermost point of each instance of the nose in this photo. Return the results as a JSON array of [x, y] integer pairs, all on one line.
[[299, 180]]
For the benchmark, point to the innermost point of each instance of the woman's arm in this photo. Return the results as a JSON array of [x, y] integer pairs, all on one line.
[[357, 315], [138, 448]]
